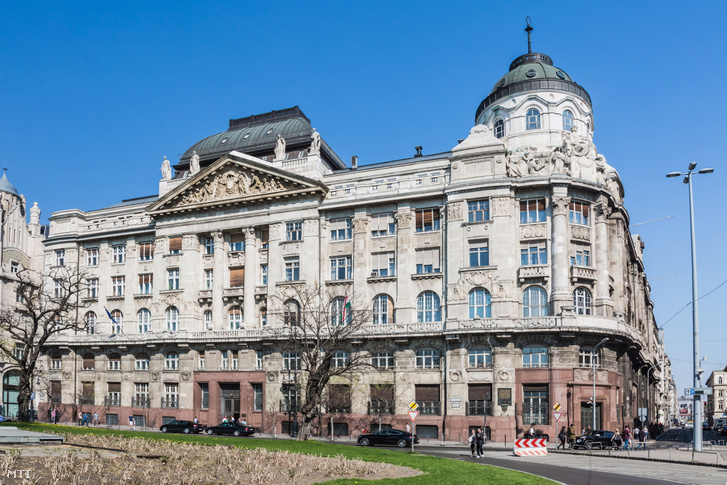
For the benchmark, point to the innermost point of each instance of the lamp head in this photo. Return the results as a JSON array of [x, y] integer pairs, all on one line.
[[706, 170], [686, 179], [673, 174], [692, 166]]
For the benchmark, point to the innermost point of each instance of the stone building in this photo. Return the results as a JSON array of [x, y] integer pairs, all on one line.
[[492, 272], [717, 402]]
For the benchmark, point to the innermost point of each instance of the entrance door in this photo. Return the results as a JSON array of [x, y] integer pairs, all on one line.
[[587, 415], [230, 400]]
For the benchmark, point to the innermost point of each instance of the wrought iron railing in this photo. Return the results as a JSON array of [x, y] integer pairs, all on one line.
[[381, 407], [432, 408], [478, 407], [170, 403]]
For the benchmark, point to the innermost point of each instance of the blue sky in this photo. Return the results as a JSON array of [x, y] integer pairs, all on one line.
[[94, 94]]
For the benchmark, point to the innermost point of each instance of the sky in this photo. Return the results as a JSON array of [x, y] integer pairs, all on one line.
[[94, 94]]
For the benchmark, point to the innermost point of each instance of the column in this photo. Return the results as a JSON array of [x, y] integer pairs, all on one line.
[[602, 298], [218, 282], [560, 245], [251, 272], [406, 265], [361, 257]]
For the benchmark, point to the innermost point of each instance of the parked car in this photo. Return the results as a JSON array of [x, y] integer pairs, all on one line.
[[234, 429], [598, 439], [388, 437], [181, 426]]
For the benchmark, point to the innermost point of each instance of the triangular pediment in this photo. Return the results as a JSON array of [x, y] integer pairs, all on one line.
[[235, 179]]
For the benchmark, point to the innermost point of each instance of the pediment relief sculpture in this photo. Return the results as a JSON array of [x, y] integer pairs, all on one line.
[[230, 183]]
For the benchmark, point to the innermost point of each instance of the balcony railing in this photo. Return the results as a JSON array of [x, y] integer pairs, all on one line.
[[582, 273], [525, 272], [86, 400], [170, 403], [112, 401], [339, 408], [431, 408], [535, 413], [55, 400], [478, 407], [381, 407], [289, 406], [140, 402]]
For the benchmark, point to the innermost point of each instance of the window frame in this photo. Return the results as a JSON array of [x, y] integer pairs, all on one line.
[[143, 320], [532, 309], [171, 316], [429, 307], [118, 253], [427, 358], [341, 268], [479, 302], [543, 357], [498, 128], [568, 120], [172, 279], [533, 211], [294, 231], [582, 301], [479, 357], [476, 212], [421, 220], [533, 119], [341, 229]]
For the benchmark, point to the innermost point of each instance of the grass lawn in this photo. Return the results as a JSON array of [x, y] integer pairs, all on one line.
[[436, 470]]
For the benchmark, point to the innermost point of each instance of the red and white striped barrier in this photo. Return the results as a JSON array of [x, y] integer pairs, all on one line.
[[531, 447]]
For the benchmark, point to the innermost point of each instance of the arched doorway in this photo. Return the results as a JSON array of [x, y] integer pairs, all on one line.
[[11, 381]]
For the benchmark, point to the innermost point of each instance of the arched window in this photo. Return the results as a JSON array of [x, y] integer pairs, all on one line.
[[499, 129], [586, 357], [428, 307], [291, 313], [117, 321], [480, 303], [90, 320], [567, 120], [720, 380], [89, 361], [479, 356], [171, 361], [340, 311], [535, 356], [235, 317], [383, 309], [141, 362], [339, 359], [532, 119], [535, 302], [114, 361], [582, 301], [427, 359], [172, 315], [143, 321]]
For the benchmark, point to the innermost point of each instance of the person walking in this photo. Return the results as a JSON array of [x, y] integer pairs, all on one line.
[[571, 436], [472, 440], [80, 418], [85, 419], [95, 419], [642, 438], [627, 438], [53, 416], [132, 422], [480, 441], [616, 440], [563, 437], [531, 432]]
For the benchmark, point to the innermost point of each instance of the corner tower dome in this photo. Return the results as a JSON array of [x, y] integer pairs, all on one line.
[[6, 186]]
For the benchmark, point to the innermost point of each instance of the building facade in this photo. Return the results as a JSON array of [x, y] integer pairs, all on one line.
[[501, 278], [717, 402]]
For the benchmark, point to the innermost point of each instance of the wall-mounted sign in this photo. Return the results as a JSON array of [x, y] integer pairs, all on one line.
[[504, 397]]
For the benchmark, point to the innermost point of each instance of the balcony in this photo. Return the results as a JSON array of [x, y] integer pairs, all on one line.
[[140, 401], [170, 402], [234, 293], [380, 407], [429, 408], [339, 408], [204, 296], [112, 401], [86, 400], [533, 272], [582, 273], [478, 407]]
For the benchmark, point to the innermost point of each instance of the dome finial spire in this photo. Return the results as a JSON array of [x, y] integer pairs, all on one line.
[[528, 29]]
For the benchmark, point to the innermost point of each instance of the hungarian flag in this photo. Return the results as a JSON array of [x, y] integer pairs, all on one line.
[[346, 310]]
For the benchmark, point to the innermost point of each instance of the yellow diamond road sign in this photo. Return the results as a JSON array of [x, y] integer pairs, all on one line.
[[413, 406], [557, 407]]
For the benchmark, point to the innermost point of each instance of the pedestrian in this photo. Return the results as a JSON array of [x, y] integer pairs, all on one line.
[[196, 420], [95, 419], [243, 422], [224, 419], [616, 440], [571, 436], [85, 419], [232, 419], [642, 438], [480, 441], [531, 432], [627, 438], [53, 416], [132, 422], [408, 428], [80, 418], [472, 440], [563, 437]]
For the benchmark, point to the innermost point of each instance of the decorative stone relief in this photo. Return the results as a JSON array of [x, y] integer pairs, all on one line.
[[532, 231], [455, 376], [276, 231], [361, 225], [237, 259], [478, 278], [480, 376], [186, 376], [160, 245], [154, 376], [501, 206], [503, 376], [67, 375], [190, 242], [310, 227], [455, 292], [218, 237], [580, 232], [403, 220], [560, 205], [602, 211], [454, 211], [502, 289]]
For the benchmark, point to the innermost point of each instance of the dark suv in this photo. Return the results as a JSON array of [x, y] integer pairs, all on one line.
[[598, 439]]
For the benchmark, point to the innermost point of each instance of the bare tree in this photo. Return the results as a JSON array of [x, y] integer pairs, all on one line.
[[321, 327], [46, 304]]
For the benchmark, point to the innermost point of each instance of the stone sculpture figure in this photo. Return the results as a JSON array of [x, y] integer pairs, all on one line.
[[166, 169], [576, 145], [280, 148], [194, 163], [35, 214], [315, 144]]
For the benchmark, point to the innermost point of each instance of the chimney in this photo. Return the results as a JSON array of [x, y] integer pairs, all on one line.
[[354, 162], [418, 148]]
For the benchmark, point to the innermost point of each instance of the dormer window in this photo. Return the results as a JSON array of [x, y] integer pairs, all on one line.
[[532, 119], [499, 129]]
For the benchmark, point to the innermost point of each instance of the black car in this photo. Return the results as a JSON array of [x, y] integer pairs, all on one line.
[[598, 439], [181, 426], [234, 429], [388, 437]]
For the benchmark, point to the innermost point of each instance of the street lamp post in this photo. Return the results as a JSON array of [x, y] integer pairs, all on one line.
[[697, 404], [593, 365]]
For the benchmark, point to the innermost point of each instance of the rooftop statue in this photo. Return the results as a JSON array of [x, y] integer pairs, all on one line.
[[194, 163], [166, 169], [315, 144], [280, 148], [35, 214]]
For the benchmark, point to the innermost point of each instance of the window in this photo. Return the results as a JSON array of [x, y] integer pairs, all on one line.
[[427, 261], [90, 320], [114, 362], [427, 359], [578, 213], [14, 266], [141, 362], [292, 269], [55, 362], [532, 119], [428, 307], [293, 231], [291, 361], [208, 279], [567, 120], [257, 397], [263, 316], [341, 229], [92, 256], [172, 317], [175, 245], [582, 301], [224, 359], [264, 238], [146, 283], [118, 253], [201, 360], [382, 360], [383, 309], [259, 356], [173, 279], [88, 362], [479, 254], [113, 394], [141, 394], [117, 322], [479, 357], [291, 310], [478, 211], [532, 210], [235, 318], [146, 251], [341, 268], [499, 129], [581, 255], [340, 311], [58, 290], [92, 288], [340, 359], [383, 264], [237, 277], [382, 225], [118, 285], [171, 396], [427, 220], [535, 302], [480, 303], [143, 320], [535, 356], [264, 274], [586, 358], [205, 395], [533, 253], [237, 242], [209, 245], [535, 404], [171, 361], [60, 257]]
